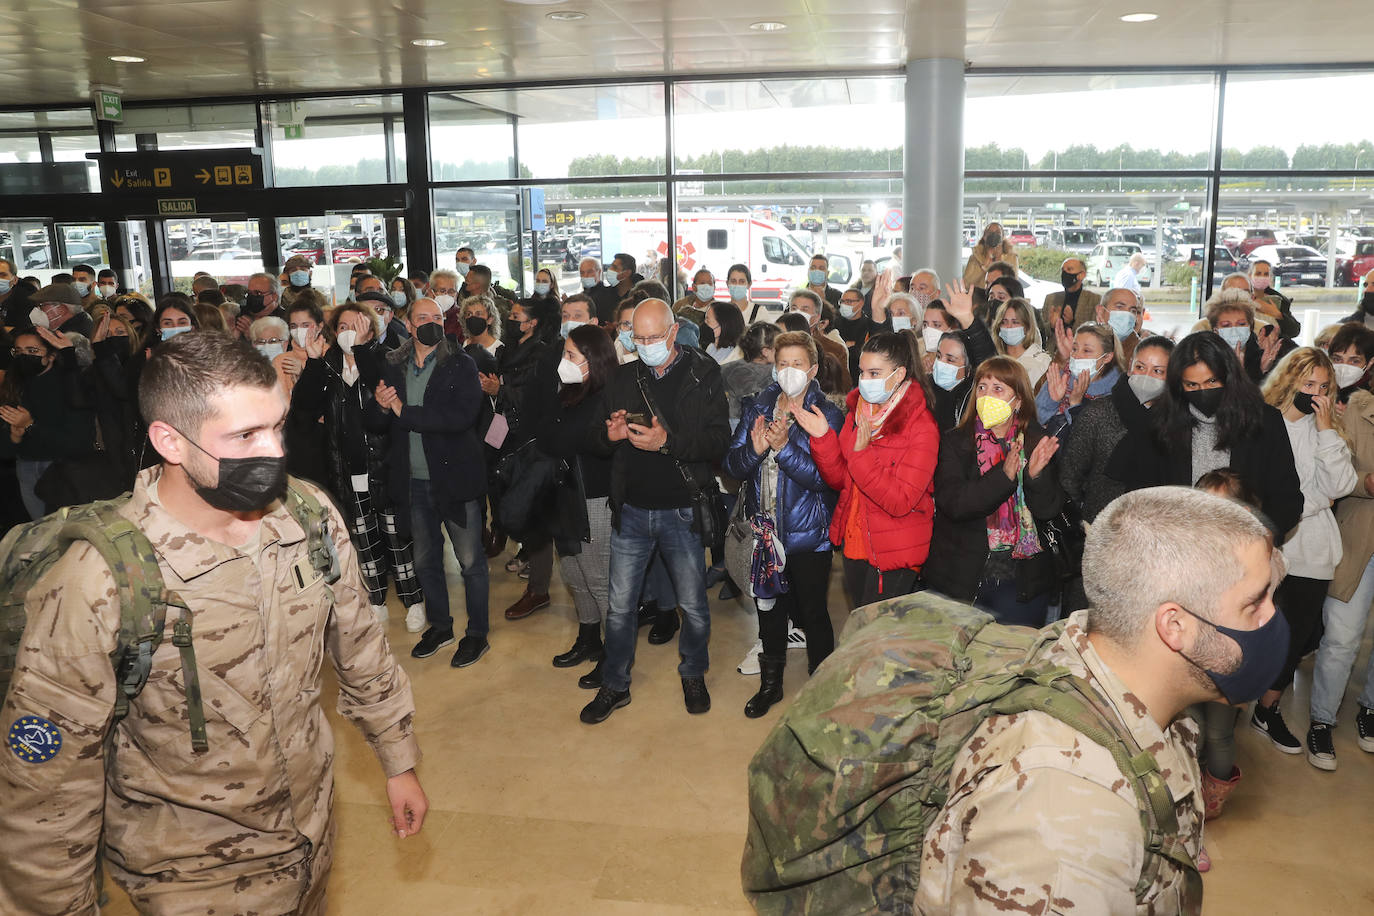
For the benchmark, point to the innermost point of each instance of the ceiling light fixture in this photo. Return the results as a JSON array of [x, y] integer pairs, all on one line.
[[127, 59], [1140, 17], [566, 15], [428, 42], [536, 2], [768, 25]]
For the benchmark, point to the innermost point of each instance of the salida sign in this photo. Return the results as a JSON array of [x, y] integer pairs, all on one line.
[[162, 172]]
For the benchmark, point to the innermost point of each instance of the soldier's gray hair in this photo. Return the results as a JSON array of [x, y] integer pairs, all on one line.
[[1158, 545]]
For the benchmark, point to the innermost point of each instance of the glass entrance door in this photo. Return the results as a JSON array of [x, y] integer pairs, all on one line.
[[335, 242]]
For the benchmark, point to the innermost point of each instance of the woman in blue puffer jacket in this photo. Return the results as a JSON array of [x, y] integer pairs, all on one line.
[[771, 454]]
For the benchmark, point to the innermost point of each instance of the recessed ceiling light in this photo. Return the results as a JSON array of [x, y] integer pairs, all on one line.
[[536, 2], [366, 103], [566, 15], [1140, 17], [428, 42], [768, 25], [127, 59]]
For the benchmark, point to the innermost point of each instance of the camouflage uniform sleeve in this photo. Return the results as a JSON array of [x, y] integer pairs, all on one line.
[[374, 691], [1037, 834], [63, 690]]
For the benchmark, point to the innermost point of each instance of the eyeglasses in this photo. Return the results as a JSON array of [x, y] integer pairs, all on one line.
[[268, 341], [649, 340]]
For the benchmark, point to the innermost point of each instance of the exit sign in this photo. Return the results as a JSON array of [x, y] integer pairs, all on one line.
[[109, 106]]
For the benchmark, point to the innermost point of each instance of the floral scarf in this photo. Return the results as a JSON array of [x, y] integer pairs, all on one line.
[[877, 413], [1011, 525]]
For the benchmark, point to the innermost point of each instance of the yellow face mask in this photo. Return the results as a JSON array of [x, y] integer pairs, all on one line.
[[992, 411]]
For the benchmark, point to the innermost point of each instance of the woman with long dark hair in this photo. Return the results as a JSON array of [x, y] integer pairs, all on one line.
[[726, 323], [882, 462], [583, 530]]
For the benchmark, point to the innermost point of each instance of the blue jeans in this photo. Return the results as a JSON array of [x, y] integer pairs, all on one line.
[[1340, 644], [28, 473], [466, 535], [632, 549]]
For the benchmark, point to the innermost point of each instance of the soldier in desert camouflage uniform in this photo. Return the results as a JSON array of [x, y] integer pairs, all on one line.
[[1040, 819], [246, 826]]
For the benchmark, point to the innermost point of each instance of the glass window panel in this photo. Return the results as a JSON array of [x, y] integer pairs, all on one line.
[[227, 249], [69, 134], [333, 243], [1088, 121], [336, 141], [1296, 121], [468, 139], [189, 126], [788, 126]]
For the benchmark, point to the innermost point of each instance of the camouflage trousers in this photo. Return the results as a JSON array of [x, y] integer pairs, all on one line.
[[295, 890]]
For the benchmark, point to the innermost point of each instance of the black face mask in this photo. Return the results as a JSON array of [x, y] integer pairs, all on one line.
[[707, 336], [992, 239], [430, 334], [255, 303], [245, 484], [1067, 279], [1367, 303], [1206, 400], [1302, 401], [26, 365], [512, 329], [476, 326]]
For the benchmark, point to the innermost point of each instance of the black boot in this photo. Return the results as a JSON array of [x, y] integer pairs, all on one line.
[[664, 627], [770, 686], [592, 679], [586, 648], [648, 613]]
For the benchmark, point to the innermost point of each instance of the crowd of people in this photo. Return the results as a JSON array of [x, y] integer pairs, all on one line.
[[950, 437]]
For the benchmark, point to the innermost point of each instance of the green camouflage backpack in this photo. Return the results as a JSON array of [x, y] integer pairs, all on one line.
[[845, 786], [29, 551]]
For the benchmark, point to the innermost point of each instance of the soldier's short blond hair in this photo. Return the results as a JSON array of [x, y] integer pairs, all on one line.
[[1158, 545]]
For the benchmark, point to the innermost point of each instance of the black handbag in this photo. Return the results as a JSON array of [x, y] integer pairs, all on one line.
[[709, 518], [1063, 537]]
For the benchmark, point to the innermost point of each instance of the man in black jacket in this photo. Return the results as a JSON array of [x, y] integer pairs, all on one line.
[[668, 424], [429, 400]]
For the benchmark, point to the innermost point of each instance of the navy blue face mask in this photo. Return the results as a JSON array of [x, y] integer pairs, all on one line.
[[1262, 654]]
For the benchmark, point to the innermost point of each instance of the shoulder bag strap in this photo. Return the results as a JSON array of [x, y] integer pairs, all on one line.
[[692, 486]]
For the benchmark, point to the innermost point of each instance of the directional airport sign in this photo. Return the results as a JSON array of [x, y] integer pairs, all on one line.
[[171, 172]]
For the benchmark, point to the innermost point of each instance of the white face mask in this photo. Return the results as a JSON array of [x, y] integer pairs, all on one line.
[[301, 336], [793, 381], [38, 318], [569, 372], [347, 339], [1086, 364], [901, 322], [1347, 375], [931, 337], [444, 301], [107, 290]]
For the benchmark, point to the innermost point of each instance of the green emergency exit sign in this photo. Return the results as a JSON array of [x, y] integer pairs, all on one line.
[[109, 106]]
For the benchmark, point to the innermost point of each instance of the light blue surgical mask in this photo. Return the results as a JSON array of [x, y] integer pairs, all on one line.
[[399, 297], [849, 311], [654, 354], [944, 374], [612, 278], [81, 288], [1012, 337], [271, 351], [588, 282], [169, 333], [1234, 336], [817, 277], [739, 291], [569, 326], [1123, 323], [4, 287], [874, 390], [706, 291], [462, 267], [901, 322], [542, 287], [627, 342], [1082, 365], [299, 277]]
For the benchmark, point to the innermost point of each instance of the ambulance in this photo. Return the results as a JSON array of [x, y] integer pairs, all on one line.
[[714, 241]]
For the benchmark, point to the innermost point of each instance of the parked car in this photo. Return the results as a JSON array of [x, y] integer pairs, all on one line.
[[1354, 258], [1223, 262], [1021, 237], [1107, 258], [221, 253], [310, 247], [1077, 240], [811, 224], [832, 224], [787, 221], [1292, 265], [1252, 239], [347, 248], [856, 224]]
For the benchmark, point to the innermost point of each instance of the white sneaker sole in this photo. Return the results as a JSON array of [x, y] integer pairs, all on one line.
[[1322, 763], [415, 623]]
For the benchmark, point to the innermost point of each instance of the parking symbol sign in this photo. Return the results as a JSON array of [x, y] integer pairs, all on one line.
[[162, 178]]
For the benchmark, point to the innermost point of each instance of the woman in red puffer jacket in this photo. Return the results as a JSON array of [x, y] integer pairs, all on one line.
[[883, 464]]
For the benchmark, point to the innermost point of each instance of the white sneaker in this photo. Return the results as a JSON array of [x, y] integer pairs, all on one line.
[[750, 665], [381, 612], [415, 618], [796, 639]]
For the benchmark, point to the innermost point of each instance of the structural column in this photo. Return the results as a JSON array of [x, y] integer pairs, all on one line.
[[933, 174]]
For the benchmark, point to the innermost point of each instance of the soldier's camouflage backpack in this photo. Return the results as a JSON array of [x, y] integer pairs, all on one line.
[[28, 551], [846, 784]]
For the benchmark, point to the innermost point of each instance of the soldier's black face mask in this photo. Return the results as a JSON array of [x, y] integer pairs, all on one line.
[[245, 484]]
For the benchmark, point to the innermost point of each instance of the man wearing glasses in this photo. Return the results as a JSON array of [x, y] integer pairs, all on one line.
[[668, 424]]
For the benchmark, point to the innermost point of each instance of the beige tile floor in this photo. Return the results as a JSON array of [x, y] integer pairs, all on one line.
[[535, 813]]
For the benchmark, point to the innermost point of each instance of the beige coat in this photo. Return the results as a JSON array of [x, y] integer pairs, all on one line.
[[246, 825], [979, 259], [1355, 513]]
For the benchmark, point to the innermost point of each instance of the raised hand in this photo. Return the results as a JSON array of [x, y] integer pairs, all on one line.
[[777, 434], [812, 421], [959, 299], [1012, 463], [758, 435], [1063, 339], [1323, 411], [1041, 455], [56, 339], [1058, 380], [1080, 388]]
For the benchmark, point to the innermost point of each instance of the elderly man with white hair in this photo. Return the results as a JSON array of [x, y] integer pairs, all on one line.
[[667, 425]]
